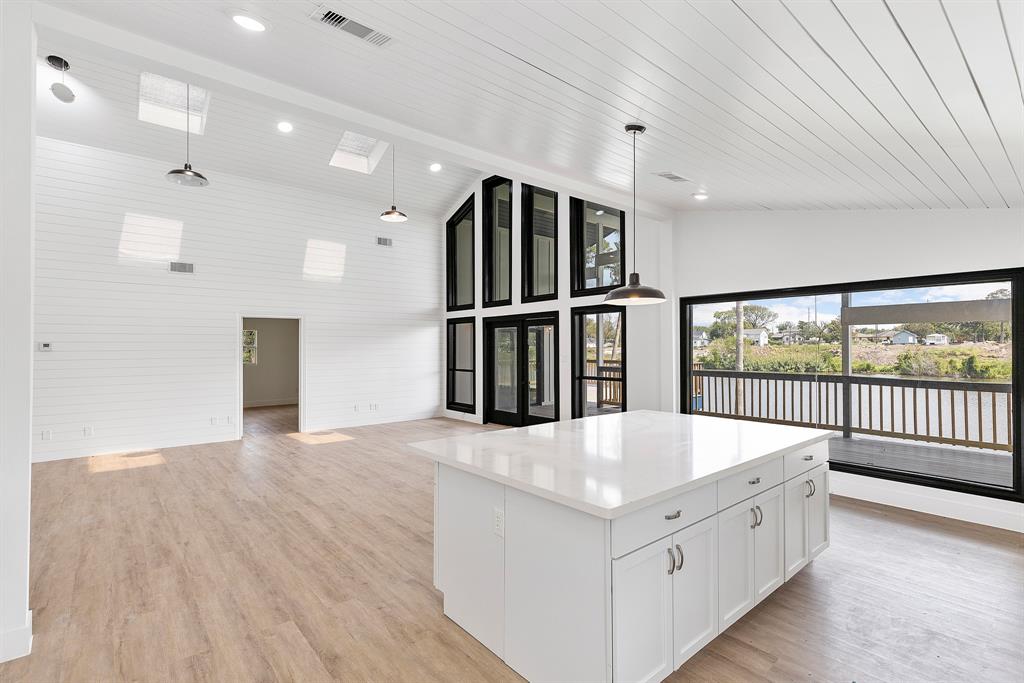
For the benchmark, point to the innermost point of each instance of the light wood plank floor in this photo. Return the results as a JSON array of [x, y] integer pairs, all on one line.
[[308, 558]]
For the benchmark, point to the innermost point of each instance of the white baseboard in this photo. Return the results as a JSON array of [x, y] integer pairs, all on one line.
[[266, 403], [17, 642], [465, 417], [1003, 514]]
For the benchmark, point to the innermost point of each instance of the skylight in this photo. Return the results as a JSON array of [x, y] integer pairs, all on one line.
[[358, 152], [162, 101]]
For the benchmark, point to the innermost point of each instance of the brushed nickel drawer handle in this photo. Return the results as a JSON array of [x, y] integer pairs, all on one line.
[[760, 515], [679, 551], [753, 524], [754, 481], [674, 515], [808, 458], [671, 561], [810, 489]]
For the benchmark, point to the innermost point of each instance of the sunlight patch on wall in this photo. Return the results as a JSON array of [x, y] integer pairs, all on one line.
[[116, 462], [324, 261], [150, 238]]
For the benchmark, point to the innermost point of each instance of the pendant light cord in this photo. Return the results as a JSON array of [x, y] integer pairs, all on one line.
[[634, 200], [394, 172], [188, 116]]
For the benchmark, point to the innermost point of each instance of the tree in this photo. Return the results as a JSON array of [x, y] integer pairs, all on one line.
[[785, 325], [753, 316], [758, 316], [1000, 294]]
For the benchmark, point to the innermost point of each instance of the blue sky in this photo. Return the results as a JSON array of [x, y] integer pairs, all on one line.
[[825, 308]]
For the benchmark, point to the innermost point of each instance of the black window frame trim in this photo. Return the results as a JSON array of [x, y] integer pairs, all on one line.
[[1015, 276], [487, 232], [575, 381], [526, 192], [450, 403], [577, 277], [467, 207]]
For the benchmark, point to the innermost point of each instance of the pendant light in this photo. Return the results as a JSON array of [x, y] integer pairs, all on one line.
[[393, 215], [186, 176], [60, 90], [634, 293]]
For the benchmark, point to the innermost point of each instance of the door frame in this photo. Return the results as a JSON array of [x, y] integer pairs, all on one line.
[[521, 321], [239, 394]]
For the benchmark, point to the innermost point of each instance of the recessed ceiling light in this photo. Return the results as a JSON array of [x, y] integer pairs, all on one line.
[[599, 212], [249, 23], [435, 167], [285, 127], [700, 196]]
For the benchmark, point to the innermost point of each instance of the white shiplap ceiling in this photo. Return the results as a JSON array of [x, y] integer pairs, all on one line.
[[241, 136], [764, 103]]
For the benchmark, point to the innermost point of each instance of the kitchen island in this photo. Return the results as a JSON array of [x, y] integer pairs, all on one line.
[[613, 548]]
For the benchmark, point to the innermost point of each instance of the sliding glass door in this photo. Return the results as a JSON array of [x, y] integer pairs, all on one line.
[[919, 377], [521, 361]]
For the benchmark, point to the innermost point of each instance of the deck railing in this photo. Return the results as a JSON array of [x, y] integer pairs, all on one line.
[[976, 414], [610, 393]]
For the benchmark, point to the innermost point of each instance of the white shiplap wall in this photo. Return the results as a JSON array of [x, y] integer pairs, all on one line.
[[145, 358]]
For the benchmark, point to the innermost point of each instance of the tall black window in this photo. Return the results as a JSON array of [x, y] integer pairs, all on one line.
[[919, 377], [598, 360], [459, 249], [497, 231], [598, 256], [540, 244], [461, 365]]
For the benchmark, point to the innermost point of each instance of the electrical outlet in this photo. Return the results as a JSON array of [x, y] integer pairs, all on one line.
[[46, 435], [213, 420], [499, 522], [355, 407]]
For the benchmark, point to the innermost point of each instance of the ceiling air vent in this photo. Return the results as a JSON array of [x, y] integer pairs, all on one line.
[[675, 178], [179, 267], [331, 18], [384, 242]]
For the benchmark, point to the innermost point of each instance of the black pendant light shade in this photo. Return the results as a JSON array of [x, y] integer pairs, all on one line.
[[393, 215], [185, 175], [634, 293]]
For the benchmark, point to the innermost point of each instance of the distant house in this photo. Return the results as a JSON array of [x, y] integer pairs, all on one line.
[[879, 337], [936, 339], [701, 339], [757, 336], [903, 337], [788, 337]]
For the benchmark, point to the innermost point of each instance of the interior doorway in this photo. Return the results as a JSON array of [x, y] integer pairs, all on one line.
[[270, 378], [521, 369]]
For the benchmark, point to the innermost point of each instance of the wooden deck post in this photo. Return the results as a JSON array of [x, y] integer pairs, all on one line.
[[846, 331]]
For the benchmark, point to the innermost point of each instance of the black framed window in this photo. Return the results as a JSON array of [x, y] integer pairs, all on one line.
[[459, 258], [461, 365], [920, 377], [598, 360], [598, 247], [540, 243], [497, 232]]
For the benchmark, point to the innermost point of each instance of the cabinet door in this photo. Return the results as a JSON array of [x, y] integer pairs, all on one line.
[[642, 613], [695, 589], [796, 525], [817, 513], [769, 543], [735, 562]]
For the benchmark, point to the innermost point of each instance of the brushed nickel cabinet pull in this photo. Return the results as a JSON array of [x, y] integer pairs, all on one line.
[[754, 523], [754, 481], [808, 457], [810, 489], [760, 514], [679, 551], [674, 515], [671, 561]]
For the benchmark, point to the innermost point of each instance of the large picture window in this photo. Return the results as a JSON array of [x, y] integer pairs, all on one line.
[[920, 377], [459, 256], [497, 232], [461, 365], [540, 244], [598, 256], [598, 360]]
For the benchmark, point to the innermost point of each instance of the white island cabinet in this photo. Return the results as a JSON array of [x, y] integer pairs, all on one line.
[[613, 548]]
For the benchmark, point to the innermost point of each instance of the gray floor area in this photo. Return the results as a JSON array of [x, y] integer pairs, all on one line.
[[963, 464]]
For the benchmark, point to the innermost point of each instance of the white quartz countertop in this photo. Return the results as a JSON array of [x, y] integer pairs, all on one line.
[[610, 465]]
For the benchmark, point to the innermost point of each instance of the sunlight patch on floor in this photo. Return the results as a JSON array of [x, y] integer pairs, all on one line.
[[319, 438], [124, 461]]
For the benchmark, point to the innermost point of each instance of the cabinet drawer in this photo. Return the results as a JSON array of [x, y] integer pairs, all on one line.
[[805, 459], [639, 528], [750, 482]]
